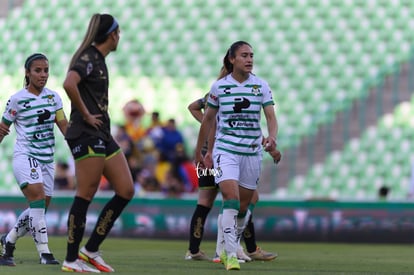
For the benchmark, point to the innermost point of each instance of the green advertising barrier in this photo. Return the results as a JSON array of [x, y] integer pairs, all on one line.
[[331, 221]]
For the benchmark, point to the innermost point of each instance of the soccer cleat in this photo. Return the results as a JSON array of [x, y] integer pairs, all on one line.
[[241, 256], [3, 245], [7, 249], [232, 263], [223, 258], [78, 266], [95, 259], [7, 261], [262, 255], [216, 259], [47, 258], [199, 256]]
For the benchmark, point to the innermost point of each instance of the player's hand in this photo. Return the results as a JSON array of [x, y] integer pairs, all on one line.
[[199, 160], [94, 121], [276, 155], [269, 144]]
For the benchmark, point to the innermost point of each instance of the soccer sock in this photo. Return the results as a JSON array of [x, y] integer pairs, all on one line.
[[37, 224], [249, 234], [106, 220], [197, 227], [76, 227], [229, 223], [220, 236], [241, 224], [20, 228]]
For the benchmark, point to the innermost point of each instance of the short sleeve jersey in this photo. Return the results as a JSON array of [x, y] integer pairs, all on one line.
[[93, 89], [34, 117], [239, 112]]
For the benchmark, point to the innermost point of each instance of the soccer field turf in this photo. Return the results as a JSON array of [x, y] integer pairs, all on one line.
[[139, 256]]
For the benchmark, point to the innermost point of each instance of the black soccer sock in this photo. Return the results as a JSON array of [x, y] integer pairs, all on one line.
[[105, 221], [249, 236], [76, 227], [197, 227]]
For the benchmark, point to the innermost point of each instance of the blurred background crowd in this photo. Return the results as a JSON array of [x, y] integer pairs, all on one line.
[[155, 152]]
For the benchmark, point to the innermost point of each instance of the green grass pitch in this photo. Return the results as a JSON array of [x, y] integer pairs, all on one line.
[[146, 256]]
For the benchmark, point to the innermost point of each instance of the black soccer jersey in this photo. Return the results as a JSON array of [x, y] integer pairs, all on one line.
[[93, 89]]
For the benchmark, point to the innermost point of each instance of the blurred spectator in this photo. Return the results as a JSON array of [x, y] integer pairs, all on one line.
[[154, 131], [64, 178], [178, 176], [133, 113], [171, 137], [124, 140], [155, 121], [130, 150], [146, 182], [174, 186], [155, 155], [145, 177], [162, 168], [186, 170], [383, 192]]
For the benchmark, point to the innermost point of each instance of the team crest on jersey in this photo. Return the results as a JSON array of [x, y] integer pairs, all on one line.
[[33, 174], [89, 68], [51, 99], [255, 90]]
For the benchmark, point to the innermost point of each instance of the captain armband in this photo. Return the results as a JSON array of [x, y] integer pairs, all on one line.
[[60, 115]]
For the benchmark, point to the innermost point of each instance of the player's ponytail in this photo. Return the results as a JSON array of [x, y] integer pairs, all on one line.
[[100, 26], [88, 38]]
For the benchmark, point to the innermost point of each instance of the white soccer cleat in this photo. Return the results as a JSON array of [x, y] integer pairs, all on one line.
[[78, 266], [242, 256], [95, 259]]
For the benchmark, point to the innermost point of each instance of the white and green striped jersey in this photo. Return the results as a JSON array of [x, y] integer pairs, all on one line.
[[239, 112], [34, 117]]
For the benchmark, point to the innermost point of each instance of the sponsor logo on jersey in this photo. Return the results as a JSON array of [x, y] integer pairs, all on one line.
[[100, 144], [241, 103], [12, 112], [213, 97]]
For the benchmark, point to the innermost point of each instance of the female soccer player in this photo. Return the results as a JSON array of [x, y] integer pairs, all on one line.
[[34, 110], [207, 193], [94, 149], [237, 99]]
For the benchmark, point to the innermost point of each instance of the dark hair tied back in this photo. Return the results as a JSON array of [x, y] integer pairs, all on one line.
[[107, 24], [33, 57], [231, 52], [233, 48]]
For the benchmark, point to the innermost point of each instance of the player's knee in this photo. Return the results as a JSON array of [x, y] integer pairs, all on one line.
[[127, 193]]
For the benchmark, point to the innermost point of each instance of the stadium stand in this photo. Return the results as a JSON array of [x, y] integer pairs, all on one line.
[[381, 157], [316, 55]]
